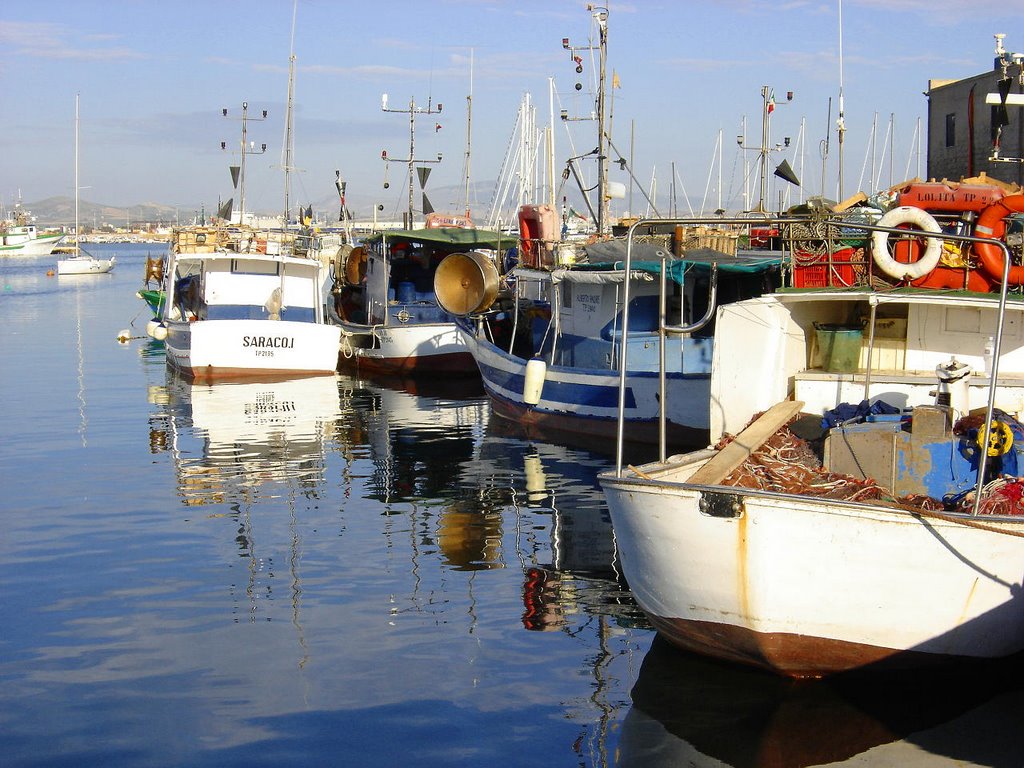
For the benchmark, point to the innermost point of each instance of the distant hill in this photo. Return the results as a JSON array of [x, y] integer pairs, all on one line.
[[60, 211]]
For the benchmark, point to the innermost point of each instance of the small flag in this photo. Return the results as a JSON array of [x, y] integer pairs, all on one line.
[[771, 102], [616, 83], [437, 127]]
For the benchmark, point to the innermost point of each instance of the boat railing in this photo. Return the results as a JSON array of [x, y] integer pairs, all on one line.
[[649, 225]]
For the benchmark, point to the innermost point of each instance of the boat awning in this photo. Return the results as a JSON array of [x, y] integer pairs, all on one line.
[[613, 272], [449, 236]]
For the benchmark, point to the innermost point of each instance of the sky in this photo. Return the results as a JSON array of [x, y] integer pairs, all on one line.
[[153, 77]]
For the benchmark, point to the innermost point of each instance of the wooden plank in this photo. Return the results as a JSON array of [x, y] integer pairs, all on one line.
[[746, 442]]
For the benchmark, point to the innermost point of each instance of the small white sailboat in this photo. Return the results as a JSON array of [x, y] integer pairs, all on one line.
[[80, 262]]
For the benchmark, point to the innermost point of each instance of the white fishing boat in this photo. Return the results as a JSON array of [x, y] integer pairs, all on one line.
[[244, 302], [78, 261], [902, 543], [20, 237], [387, 307]]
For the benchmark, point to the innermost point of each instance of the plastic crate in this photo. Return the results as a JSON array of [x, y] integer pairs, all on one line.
[[822, 271]]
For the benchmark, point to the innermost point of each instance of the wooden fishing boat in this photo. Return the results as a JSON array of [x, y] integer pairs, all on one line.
[[893, 536]]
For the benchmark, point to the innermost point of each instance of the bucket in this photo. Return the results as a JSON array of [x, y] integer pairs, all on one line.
[[839, 347], [406, 293]]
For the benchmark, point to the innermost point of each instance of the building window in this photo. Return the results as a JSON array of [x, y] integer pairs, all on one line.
[[950, 130]]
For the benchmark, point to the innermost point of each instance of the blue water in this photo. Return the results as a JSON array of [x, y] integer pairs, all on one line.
[[346, 572]]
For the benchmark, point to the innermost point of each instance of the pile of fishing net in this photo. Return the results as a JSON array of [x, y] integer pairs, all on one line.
[[787, 464]]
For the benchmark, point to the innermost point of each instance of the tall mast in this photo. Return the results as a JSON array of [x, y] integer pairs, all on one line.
[[288, 148], [469, 129], [411, 161], [246, 149], [601, 15], [841, 122], [76, 173]]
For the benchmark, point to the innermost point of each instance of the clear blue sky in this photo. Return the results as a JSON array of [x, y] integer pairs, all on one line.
[[154, 76]]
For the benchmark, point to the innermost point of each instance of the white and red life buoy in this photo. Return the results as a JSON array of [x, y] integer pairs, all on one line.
[[898, 217], [992, 224]]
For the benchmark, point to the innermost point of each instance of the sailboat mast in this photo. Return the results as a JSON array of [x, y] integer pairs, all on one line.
[[76, 173]]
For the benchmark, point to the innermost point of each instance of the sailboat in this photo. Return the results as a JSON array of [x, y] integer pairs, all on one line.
[[79, 262]]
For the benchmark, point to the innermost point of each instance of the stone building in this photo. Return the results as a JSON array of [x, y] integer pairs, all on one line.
[[962, 126]]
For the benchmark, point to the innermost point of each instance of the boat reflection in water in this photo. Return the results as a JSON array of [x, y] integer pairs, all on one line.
[[381, 523], [694, 711], [478, 485], [249, 434]]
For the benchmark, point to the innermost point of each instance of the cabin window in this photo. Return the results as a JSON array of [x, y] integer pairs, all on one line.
[[254, 267], [951, 130]]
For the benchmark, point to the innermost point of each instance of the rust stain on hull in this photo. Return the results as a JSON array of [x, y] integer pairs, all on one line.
[[798, 656]]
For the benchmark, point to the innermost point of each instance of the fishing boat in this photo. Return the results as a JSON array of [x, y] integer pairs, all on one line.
[[78, 261], [883, 528], [387, 308], [246, 302], [548, 348], [20, 237]]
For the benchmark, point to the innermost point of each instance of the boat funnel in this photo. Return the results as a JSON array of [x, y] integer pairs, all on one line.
[[465, 283]]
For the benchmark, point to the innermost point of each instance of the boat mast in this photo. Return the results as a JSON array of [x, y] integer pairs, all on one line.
[[469, 129], [246, 149], [411, 161], [76, 174], [288, 149], [841, 122], [600, 15]]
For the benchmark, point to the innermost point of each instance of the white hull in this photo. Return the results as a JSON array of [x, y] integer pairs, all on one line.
[[235, 348], [406, 350], [85, 265], [808, 587], [36, 246], [233, 310]]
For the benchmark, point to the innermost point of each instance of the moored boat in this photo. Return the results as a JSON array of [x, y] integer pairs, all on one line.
[[892, 535], [78, 261], [387, 308], [548, 349], [20, 237], [242, 302]]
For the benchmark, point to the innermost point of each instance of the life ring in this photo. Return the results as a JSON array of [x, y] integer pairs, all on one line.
[[896, 217], [992, 224]]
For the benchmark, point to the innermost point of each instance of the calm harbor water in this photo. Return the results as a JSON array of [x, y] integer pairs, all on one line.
[[334, 571]]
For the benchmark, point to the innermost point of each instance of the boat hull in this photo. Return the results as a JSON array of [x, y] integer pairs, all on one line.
[[226, 349], [807, 587], [406, 350], [41, 245], [85, 266], [585, 401]]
